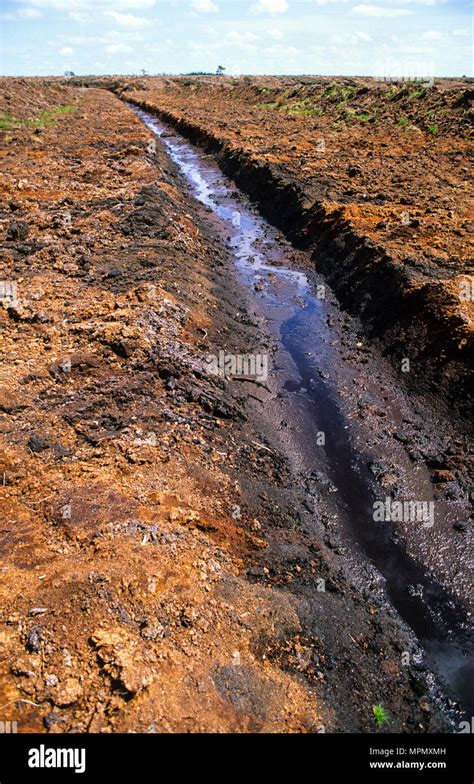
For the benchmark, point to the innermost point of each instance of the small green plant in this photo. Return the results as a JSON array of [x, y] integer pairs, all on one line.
[[363, 116], [333, 91], [420, 93], [311, 110], [303, 107], [48, 117], [50, 114], [346, 93], [269, 105], [403, 121], [5, 121], [433, 129], [66, 109], [380, 714]]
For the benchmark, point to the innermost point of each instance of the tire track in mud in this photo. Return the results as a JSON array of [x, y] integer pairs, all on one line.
[[434, 613]]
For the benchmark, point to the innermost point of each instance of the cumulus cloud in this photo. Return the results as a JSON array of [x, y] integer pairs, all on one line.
[[81, 17], [127, 20], [279, 50], [241, 38], [424, 2], [91, 5], [29, 13], [275, 33], [380, 12], [204, 6], [108, 37], [432, 35], [21, 14], [350, 38], [66, 50], [118, 49], [272, 7]]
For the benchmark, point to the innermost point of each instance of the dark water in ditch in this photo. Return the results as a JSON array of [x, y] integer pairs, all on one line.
[[299, 318]]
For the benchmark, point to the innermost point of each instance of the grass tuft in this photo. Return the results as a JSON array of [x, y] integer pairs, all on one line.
[[380, 714]]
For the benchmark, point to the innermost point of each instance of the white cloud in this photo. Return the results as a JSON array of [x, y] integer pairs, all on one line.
[[279, 50], [424, 2], [379, 11], [241, 38], [127, 20], [66, 50], [109, 37], [204, 6], [350, 38], [271, 7], [21, 13], [432, 35], [80, 16], [95, 5], [118, 49], [276, 34], [29, 13]]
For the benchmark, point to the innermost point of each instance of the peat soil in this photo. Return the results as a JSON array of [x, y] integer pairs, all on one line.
[[373, 179], [340, 416], [172, 559]]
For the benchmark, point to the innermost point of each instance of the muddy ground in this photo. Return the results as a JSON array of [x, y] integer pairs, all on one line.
[[373, 177], [160, 564]]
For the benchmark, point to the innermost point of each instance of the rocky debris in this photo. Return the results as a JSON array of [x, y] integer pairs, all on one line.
[[18, 230], [121, 660], [354, 171], [33, 639], [63, 693], [443, 476], [37, 443]]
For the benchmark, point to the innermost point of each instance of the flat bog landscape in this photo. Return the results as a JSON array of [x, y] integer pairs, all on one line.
[[236, 332]]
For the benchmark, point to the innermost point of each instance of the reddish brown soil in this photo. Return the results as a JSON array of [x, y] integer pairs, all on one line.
[[130, 600], [111, 587]]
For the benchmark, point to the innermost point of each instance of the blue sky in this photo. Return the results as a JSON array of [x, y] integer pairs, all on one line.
[[373, 37]]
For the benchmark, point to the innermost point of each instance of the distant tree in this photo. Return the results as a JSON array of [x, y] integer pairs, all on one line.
[[220, 70], [69, 73]]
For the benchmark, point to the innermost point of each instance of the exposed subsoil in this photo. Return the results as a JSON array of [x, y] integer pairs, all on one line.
[[162, 549]]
